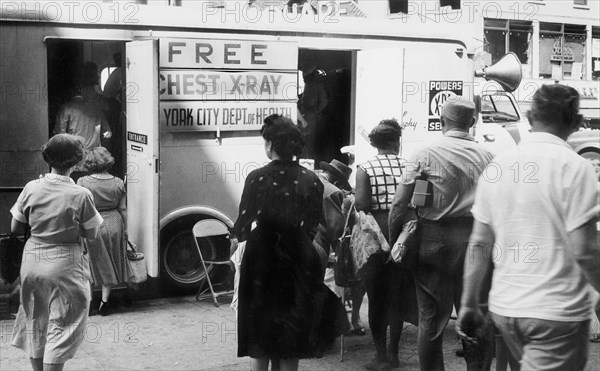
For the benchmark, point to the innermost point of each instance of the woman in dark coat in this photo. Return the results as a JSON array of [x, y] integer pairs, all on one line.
[[285, 311]]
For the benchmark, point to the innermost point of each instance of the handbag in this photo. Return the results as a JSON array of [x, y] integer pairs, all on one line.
[[136, 264], [344, 270], [11, 254], [406, 247], [367, 239]]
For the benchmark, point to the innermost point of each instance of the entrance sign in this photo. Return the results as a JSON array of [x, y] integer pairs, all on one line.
[[228, 54]]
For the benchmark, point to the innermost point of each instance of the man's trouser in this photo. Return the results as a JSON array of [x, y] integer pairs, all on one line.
[[545, 345], [439, 278]]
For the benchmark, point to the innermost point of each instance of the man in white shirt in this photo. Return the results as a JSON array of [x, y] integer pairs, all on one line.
[[535, 210]]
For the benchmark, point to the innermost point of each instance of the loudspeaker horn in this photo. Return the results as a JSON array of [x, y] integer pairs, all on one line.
[[506, 72]]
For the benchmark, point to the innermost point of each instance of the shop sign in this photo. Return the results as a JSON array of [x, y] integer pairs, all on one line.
[[561, 53]]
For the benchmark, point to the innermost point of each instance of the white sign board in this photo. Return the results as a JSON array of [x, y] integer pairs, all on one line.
[[228, 54], [222, 85], [225, 116]]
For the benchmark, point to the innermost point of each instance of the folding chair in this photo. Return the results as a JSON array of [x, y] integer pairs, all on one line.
[[203, 229]]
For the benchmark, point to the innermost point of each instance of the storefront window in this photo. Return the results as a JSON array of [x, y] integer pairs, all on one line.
[[502, 36], [562, 51]]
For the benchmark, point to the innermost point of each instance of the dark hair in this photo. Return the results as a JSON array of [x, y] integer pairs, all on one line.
[[285, 136], [385, 134], [89, 74], [98, 160], [63, 151], [555, 104]]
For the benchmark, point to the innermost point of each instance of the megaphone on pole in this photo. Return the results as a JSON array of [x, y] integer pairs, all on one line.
[[506, 72]]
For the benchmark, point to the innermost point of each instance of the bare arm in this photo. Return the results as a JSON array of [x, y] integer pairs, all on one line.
[[478, 266], [400, 203], [363, 191], [122, 209], [586, 251], [17, 227]]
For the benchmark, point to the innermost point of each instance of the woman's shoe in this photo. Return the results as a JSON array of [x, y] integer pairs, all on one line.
[[103, 308], [92, 311], [377, 365], [357, 327]]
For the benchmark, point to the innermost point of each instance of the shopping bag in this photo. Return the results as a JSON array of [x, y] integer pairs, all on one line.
[[236, 259], [136, 264], [366, 239], [11, 253]]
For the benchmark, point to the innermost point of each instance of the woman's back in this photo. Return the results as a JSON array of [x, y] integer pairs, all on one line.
[[54, 207], [107, 191], [284, 194]]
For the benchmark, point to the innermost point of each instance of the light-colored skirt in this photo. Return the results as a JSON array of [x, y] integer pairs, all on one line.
[[108, 251], [55, 297]]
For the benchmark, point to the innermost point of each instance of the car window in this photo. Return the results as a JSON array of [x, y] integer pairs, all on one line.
[[498, 108]]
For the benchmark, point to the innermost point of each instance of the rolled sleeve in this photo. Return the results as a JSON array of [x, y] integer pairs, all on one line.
[[413, 168], [17, 209], [583, 203], [89, 215], [481, 207]]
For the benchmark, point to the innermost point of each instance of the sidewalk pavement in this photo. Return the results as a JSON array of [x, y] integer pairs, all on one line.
[[183, 334]]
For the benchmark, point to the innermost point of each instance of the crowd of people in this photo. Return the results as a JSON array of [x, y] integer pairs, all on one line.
[[509, 242]]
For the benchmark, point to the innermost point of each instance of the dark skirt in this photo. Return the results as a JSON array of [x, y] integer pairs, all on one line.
[[285, 309]]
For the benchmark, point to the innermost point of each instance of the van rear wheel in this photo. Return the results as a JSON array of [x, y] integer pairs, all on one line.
[[181, 267], [181, 259]]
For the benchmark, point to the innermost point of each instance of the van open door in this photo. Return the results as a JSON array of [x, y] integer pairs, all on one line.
[[143, 148], [378, 93]]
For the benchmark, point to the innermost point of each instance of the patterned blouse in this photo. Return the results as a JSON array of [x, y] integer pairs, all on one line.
[[281, 193], [384, 173]]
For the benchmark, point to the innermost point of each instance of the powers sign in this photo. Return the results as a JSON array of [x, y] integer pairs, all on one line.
[[439, 93]]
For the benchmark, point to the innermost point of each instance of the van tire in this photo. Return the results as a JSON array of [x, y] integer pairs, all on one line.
[[181, 270], [590, 153]]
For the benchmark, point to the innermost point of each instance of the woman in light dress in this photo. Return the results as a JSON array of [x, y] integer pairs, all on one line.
[[55, 291]]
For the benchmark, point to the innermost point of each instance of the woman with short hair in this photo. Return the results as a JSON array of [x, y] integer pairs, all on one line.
[[285, 310], [108, 250], [55, 291], [390, 288]]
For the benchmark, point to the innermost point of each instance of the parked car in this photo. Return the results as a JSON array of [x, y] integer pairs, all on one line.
[[500, 109]]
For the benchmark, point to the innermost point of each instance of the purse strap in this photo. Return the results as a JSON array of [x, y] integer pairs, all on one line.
[[350, 211], [131, 245]]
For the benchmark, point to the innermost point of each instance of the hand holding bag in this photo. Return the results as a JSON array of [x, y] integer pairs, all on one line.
[[136, 264], [11, 254], [367, 239], [406, 247]]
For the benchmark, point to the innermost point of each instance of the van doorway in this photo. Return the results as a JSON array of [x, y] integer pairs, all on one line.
[[325, 102], [69, 66]]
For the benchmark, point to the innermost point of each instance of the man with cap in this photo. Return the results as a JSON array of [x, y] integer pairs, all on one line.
[[334, 177], [452, 164]]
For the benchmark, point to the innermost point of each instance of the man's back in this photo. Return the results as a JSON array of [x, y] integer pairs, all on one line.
[[452, 164], [532, 197], [84, 118]]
